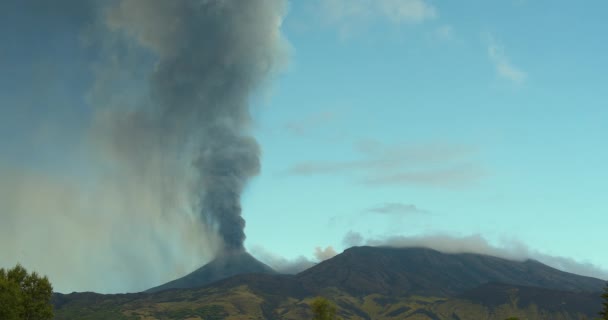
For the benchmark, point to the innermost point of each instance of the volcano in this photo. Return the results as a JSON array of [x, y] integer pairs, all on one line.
[[223, 266], [390, 271], [365, 283]]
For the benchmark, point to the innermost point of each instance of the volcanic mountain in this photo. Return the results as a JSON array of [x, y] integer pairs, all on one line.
[[223, 266], [366, 283], [399, 271]]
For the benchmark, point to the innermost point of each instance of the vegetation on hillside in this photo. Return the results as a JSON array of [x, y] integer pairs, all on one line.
[[24, 295], [323, 309], [240, 301], [604, 312]]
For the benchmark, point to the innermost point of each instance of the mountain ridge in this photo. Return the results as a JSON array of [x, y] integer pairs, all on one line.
[[390, 270], [366, 283]]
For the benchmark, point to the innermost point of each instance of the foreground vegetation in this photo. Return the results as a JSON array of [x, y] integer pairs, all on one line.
[[24, 295], [243, 302], [323, 309], [604, 312]]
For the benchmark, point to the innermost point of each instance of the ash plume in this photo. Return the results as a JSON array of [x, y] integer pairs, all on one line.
[[211, 56], [133, 134]]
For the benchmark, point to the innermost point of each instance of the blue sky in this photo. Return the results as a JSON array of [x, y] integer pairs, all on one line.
[[391, 118], [506, 96]]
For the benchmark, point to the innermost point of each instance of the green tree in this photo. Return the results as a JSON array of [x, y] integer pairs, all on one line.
[[10, 299], [323, 309], [25, 295], [604, 312], [512, 318]]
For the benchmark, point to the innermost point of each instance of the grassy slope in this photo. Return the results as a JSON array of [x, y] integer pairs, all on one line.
[[242, 303]]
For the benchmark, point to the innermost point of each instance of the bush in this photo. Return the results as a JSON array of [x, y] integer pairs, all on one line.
[[323, 309]]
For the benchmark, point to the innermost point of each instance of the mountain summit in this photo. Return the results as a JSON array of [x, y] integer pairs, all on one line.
[[223, 266], [398, 271]]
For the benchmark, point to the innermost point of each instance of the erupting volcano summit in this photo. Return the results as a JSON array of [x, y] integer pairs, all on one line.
[[223, 266]]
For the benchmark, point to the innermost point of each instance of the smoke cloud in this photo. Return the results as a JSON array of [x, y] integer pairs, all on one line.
[[115, 235], [147, 186], [324, 254], [212, 55]]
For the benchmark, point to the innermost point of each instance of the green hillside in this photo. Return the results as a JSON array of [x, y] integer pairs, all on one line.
[[242, 302], [366, 283]]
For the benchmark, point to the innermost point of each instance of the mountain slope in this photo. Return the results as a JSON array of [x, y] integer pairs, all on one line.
[[222, 267], [496, 294], [400, 271], [242, 297], [365, 283]]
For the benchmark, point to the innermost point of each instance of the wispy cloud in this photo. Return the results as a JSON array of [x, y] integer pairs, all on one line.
[[502, 63], [442, 165], [347, 14], [311, 122], [292, 266], [408, 11], [279, 263], [453, 177], [476, 243], [397, 208], [378, 156]]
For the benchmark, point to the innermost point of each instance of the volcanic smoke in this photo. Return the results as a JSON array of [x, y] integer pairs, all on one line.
[[212, 55]]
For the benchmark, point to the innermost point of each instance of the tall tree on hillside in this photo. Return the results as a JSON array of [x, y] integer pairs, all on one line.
[[604, 312], [323, 309], [25, 295], [10, 298]]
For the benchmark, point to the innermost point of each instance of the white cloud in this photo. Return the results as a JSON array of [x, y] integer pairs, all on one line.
[[291, 266], [279, 263], [504, 67], [348, 14]]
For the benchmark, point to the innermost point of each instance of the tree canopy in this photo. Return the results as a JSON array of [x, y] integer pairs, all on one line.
[[323, 309], [24, 295]]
